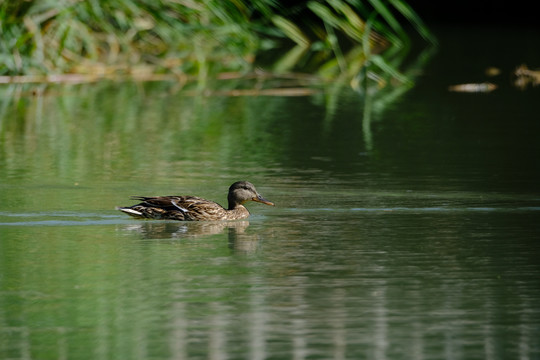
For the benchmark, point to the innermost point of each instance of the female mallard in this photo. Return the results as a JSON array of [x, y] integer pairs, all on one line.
[[193, 208]]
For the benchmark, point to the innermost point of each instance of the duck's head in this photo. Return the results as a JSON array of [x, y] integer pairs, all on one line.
[[242, 191]]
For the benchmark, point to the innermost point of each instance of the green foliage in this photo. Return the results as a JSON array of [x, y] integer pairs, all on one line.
[[196, 37]]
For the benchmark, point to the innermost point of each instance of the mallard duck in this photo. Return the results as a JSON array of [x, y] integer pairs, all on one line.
[[193, 208]]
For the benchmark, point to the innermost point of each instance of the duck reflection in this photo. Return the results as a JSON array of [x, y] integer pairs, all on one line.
[[238, 240]]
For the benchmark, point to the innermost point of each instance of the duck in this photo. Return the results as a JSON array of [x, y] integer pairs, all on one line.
[[194, 208]]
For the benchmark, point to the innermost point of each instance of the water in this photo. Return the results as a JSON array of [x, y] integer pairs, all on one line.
[[414, 235]]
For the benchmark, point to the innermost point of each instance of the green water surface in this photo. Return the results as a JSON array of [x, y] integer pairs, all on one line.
[[413, 235]]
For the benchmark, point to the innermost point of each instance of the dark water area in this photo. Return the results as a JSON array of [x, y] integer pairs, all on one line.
[[500, 13], [406, 225]]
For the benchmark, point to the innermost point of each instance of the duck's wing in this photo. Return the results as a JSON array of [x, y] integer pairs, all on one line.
[[192, 206], [172, 201], [163, 202]]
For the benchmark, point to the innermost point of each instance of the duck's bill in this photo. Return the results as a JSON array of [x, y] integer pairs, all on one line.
[[262, 200]]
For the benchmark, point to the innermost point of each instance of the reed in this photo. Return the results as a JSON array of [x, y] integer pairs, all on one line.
[[199, 38]]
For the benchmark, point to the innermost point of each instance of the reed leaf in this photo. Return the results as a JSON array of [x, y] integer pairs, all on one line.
[[352, 24], [292, 31], [405, 10]]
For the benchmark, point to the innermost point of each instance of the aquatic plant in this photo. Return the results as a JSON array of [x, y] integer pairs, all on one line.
[[200, 38]]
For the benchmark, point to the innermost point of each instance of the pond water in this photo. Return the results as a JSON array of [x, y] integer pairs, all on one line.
[[410, 231]]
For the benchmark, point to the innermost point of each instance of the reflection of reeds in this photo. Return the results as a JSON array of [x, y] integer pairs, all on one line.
[[145, 40]]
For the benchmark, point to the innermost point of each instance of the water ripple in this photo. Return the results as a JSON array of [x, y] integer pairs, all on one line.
[[60, 219], [422, 209]]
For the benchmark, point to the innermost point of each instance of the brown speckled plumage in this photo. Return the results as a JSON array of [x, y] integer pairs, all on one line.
[[193, 208]]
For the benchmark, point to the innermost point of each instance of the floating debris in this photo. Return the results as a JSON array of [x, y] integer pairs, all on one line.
[[493, 71], [479, 87], [526, 77]]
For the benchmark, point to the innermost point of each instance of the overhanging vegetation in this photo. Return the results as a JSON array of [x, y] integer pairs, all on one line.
[[147, 39]]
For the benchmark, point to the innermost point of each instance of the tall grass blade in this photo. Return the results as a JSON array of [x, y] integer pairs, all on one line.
[[292, 31], [405, 10], [389, 18]]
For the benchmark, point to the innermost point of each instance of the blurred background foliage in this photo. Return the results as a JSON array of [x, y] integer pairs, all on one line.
[[203, 38]]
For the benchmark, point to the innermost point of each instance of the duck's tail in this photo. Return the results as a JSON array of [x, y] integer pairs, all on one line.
[[131, 212]]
